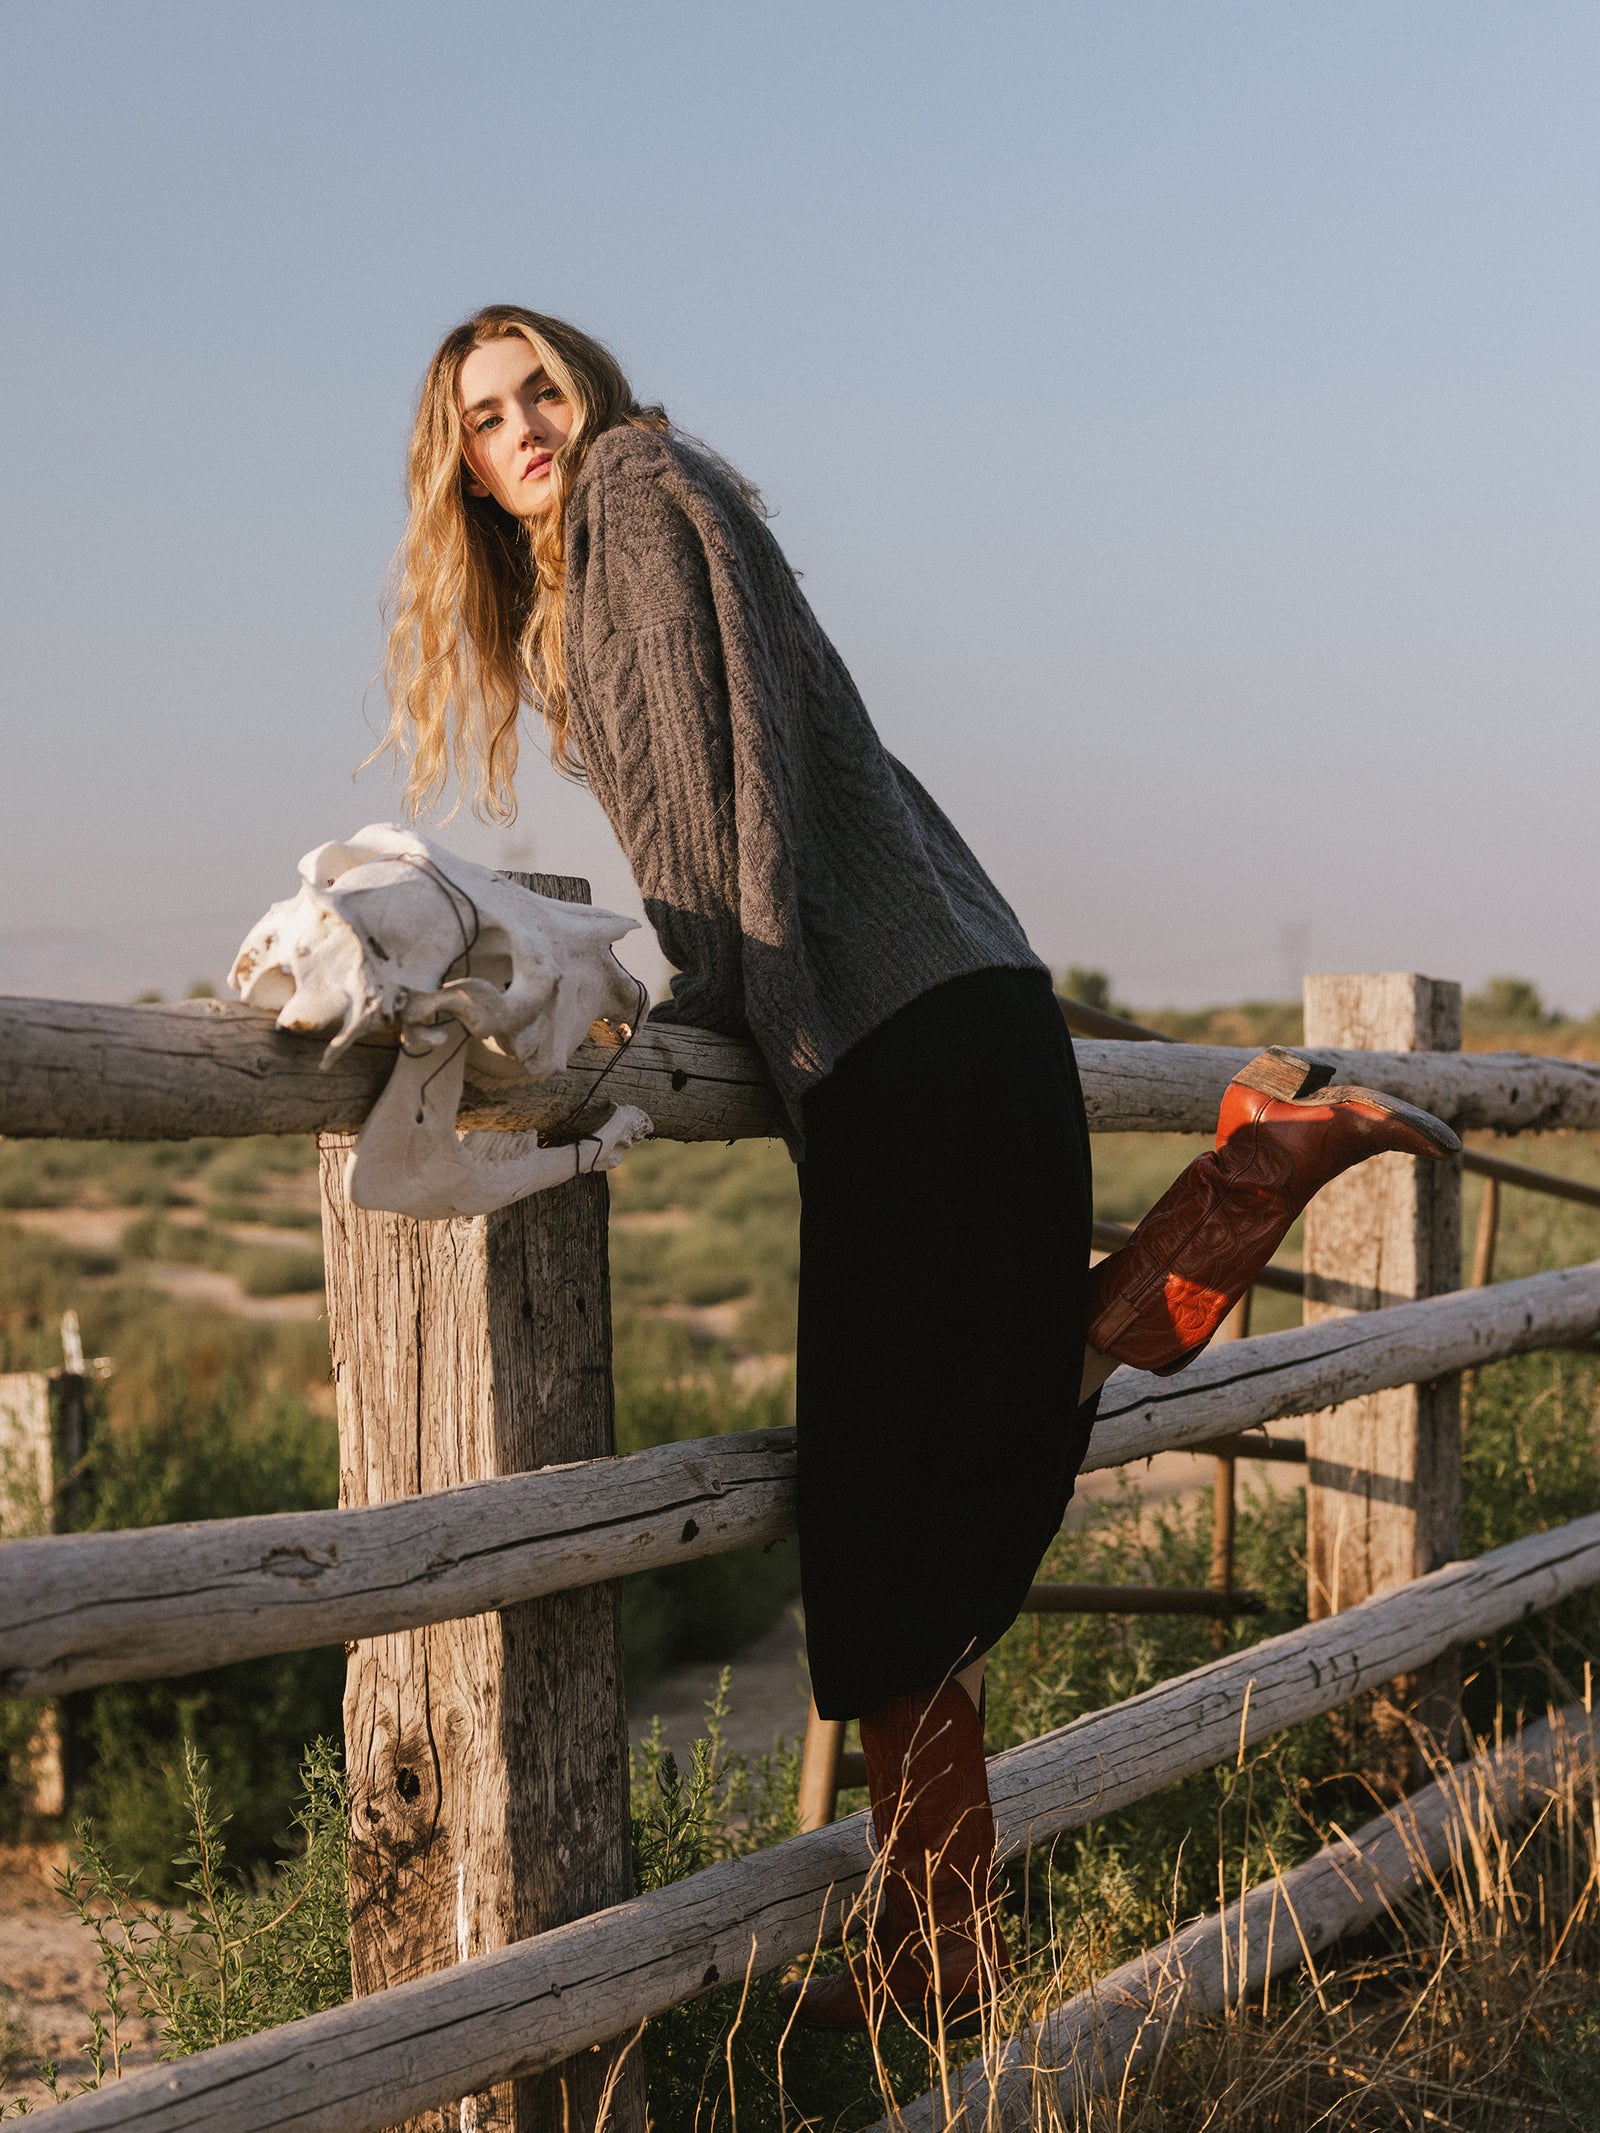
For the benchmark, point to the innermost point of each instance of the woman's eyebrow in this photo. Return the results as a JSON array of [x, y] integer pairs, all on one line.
[[493, 399]]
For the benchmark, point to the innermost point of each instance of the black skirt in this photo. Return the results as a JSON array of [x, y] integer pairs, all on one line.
[[944, 1253]]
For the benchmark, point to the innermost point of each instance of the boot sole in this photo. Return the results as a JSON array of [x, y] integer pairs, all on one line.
[[1289, 1078]]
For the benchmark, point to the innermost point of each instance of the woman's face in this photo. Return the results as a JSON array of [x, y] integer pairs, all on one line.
[[512, 419]]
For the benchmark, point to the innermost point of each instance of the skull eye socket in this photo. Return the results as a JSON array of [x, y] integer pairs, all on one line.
[[493, 963]]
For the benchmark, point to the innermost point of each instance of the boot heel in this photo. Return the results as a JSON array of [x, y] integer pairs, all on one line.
[[1283, 1074]]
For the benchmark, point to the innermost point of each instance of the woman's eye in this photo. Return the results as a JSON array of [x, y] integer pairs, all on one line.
[[549, 392], [487, 423]]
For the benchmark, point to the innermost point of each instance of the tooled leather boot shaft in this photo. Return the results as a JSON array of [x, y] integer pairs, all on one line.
[[935, 1830], [1156, 1303]]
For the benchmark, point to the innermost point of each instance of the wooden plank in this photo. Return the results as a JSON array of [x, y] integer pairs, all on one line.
[[488, 1757], [356, 2068], [1383, 1483], [1050, 2072], [133, 1605], [1280, 1374], [1176, 1088], [1289, 1451], [215, 1068]]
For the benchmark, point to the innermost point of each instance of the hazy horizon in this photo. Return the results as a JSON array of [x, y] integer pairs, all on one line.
[[1185, 422]]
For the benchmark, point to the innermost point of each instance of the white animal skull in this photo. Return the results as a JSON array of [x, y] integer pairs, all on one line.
[[389, 928]]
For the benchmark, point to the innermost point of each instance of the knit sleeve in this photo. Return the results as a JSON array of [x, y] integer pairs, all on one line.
[[658, 703]]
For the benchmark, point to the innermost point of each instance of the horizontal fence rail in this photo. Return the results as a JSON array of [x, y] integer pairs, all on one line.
[[205, 1068], [79, 1609], [396, 2053], [1549, 1182], [217, 1068]]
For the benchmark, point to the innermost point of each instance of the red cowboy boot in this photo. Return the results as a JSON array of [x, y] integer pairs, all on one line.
[[934, 1947], [1282, 1134]]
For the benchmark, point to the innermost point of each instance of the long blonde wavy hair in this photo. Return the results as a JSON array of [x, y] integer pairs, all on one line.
[[477, 594]]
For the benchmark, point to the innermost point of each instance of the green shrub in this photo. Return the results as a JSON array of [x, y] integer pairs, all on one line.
[[738, 1240], [205, 1418], [47, 1173], [273, 1270], [225, 1453], [242, 1954], [729, 2043]]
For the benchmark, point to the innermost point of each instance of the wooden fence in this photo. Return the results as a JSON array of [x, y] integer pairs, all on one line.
[[471, 1567]]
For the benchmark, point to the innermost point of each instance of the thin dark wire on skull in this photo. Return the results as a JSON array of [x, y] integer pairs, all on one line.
[[428, 1080], [641, 1002], [431, 870], [454, 895]]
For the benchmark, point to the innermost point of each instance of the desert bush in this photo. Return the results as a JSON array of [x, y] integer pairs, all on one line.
[[225, 1453], [259, 1269], [242, 1952], [1475, 2005], [738, 1241], [274, 1270], [46, 1173], [731, 2055]]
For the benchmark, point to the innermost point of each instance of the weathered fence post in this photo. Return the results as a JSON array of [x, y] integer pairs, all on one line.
[[488, 1758], [1383, 1496], [44, 1421]]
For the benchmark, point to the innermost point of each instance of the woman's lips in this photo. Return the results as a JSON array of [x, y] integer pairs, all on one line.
[[539, 464]]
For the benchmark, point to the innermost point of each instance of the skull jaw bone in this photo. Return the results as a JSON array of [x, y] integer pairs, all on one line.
[[410, 1160]]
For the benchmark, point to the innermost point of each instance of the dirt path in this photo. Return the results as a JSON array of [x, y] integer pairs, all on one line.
[[49, 1981], [100, 1229]]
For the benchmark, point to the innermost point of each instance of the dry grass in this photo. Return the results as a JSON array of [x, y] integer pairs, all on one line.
[[1473, 2002]]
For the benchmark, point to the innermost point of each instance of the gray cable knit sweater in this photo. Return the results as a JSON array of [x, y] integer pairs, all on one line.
[[799, 877]]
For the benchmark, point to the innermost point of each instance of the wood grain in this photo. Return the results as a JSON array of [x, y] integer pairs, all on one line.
[[215, 1068], [85, 1608], [159, 1600], [357, 2068], [1383, 1485]]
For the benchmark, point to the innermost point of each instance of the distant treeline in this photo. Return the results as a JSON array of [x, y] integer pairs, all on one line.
[[1508, 1013]]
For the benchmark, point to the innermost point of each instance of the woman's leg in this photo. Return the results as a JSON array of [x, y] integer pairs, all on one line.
[[971, 1679], [942, 1296], [1096, 1369]]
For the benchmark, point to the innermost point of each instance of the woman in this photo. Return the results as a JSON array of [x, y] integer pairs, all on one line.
[[567, 548]]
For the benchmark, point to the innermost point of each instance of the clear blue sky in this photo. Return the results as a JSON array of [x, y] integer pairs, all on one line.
[[1185, 417]]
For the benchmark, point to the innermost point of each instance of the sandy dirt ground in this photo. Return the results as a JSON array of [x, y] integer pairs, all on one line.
[[49, 1980], [99, 1229]]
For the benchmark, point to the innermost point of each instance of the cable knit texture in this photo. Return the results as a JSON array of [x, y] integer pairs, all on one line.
[[799, 877]]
